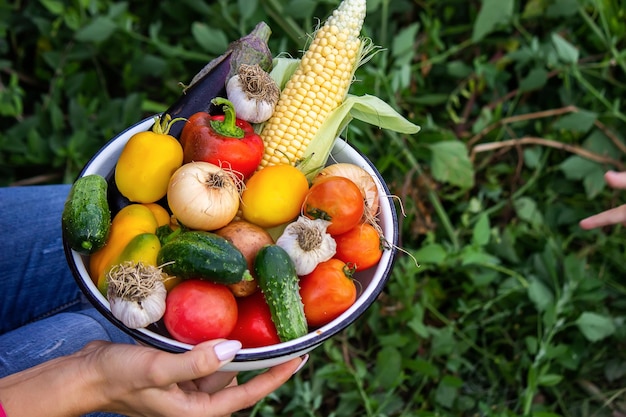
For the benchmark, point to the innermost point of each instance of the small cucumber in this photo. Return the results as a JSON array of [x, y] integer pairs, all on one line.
[[86, 217], [276, 276], [204, 255]]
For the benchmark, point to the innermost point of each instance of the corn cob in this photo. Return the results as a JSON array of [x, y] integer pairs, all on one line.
[[317, 87]]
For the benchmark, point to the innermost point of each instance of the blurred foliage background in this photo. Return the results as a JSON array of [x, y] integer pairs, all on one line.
[[499, 305]]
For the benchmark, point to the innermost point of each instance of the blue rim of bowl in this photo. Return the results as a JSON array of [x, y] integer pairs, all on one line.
[[279, 351]]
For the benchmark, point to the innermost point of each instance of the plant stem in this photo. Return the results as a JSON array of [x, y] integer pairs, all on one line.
[[432, 195]]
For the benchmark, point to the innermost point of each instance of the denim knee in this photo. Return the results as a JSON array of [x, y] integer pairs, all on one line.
[[55, 336]]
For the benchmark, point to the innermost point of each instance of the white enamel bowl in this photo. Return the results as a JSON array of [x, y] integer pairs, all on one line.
[[372, 281]]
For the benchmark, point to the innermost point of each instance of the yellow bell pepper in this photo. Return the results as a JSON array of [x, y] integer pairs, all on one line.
[[162, 216], [129, 222], [142, 248]]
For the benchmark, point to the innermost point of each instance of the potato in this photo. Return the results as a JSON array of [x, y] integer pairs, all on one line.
[[248, 238]]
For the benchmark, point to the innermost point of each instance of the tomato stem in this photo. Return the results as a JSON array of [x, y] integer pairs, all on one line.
[[228, 126], [349, 269], [317, 213]]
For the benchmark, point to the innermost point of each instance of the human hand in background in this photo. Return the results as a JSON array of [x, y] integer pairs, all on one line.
[[612, 216]]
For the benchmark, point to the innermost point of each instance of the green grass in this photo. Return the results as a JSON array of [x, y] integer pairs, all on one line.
[[512, 310]]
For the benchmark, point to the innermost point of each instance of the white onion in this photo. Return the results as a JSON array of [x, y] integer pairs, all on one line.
[[203, 196], [361, 178]]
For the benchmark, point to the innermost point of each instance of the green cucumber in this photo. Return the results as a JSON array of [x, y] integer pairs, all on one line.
[[277, 278], [204, 255], [86, 218]]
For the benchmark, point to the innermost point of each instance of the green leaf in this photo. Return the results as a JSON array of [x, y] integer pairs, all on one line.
[[527, 210], [577, 168], [533, 8], [447, 390], [562, 8], [388, 367], [536, 79], [580, 121], [541, 296], [247, 8], [595, 326], [98, 30], [549, 380], [433, 253], [475, 256], [482, 231], [55, 7], [531, 344], [404, 42], [492, 14], [567, 52], [301, 8], [425, 368], [210, 39], [532, 157], [574, 268], [417, 325], [431, 99], [594, 182], [591, 173], [450, 163], [443, 341]]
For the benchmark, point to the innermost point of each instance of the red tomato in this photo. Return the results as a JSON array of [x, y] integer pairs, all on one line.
[[336, 199], [254, 326], [360, 246], [327, 292], [197, 310]]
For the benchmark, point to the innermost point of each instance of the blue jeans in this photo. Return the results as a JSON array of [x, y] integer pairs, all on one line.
[[43, 314]]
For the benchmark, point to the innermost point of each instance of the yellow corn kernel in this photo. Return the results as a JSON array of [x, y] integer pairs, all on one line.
[[317, 87]]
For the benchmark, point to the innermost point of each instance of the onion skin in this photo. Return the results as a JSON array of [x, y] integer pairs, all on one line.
[[363, 179], [203, 196]]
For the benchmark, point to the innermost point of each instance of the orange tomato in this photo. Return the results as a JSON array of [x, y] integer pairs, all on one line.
[[361, 246]]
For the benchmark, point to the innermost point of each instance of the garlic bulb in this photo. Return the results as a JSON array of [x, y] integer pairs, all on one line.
[[136, 293], [253, 92], [307, 243]]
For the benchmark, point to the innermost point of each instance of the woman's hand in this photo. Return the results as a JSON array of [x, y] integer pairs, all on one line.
[[139, 381], [612, 216]]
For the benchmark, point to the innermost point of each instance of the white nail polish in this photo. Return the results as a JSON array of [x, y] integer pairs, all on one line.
[[227, 350], [305, 358]]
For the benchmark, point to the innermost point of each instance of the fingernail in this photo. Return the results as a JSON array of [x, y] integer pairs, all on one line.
[[227, 350], [305, 358]]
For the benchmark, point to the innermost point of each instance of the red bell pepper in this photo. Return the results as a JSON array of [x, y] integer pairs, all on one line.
[[223, 140]]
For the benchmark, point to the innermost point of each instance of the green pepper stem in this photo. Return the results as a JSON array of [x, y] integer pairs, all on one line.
[[163, 123], [228, 126]]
